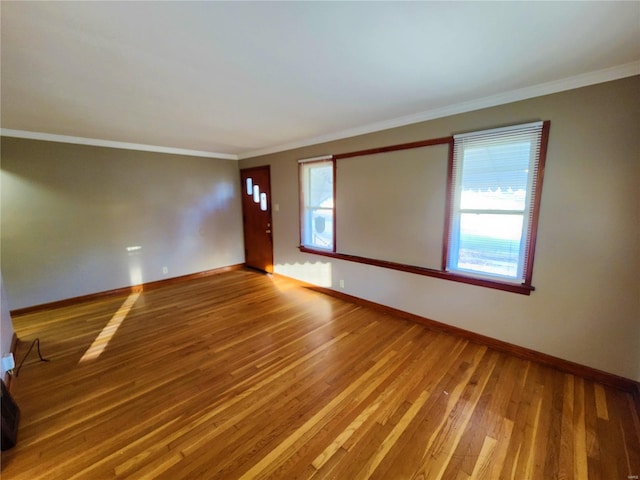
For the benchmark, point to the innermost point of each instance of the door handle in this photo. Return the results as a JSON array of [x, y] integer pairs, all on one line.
[[268, 231]]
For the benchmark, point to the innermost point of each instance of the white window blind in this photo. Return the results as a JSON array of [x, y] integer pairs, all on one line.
[[494, 182]]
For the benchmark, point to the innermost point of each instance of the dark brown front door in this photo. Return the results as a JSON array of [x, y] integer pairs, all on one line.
[[256, 213]]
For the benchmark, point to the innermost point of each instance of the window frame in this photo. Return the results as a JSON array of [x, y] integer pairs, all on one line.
[[302, 164], [524, 288], [529, 213]]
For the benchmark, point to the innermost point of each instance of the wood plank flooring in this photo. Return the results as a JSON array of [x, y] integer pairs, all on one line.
[[248, 376]]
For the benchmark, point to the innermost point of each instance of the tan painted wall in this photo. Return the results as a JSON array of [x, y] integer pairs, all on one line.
[[586, 307], [372, 216], [69, 212], [6, 326]]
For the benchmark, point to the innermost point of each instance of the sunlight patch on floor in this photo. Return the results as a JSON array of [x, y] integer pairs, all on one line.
[[110, 329]]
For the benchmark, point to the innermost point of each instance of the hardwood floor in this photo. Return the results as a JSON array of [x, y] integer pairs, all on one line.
[[242, 376]]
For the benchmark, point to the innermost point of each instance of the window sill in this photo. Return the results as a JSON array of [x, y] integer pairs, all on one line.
[[428, 272]]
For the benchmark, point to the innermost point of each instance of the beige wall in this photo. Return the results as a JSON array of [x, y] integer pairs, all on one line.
[[374, 217], [69, 212], [586, 307], [6, 327]]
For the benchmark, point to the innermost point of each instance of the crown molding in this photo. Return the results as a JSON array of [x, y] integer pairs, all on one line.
[[95, 142], [556, 86]]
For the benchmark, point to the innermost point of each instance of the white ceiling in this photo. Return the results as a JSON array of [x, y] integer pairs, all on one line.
[[243, 78]]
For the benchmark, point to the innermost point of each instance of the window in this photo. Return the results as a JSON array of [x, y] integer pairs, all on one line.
[[317, 203], [467, 209], [496, 184]]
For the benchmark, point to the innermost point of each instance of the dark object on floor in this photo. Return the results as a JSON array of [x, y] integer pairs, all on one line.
[[10, 418]]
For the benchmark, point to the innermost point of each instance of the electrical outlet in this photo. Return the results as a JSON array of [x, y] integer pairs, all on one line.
[[341, 283], [165, 270], [8, 363]]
